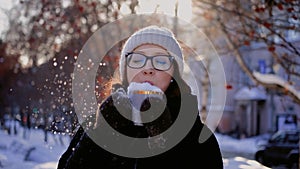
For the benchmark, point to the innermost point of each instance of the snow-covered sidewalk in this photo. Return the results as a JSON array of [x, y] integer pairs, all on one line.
[[34, 153], [245, 147], [31, 153]]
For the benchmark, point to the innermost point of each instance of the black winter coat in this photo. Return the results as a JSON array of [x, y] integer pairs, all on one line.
[[84, 153]]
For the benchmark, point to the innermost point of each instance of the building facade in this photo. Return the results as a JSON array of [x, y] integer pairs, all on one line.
[[252, 109]]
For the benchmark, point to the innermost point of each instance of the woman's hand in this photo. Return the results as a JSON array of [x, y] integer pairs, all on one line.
[[116, 109]]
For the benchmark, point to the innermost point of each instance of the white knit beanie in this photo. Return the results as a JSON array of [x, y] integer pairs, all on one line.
[[160, 36]]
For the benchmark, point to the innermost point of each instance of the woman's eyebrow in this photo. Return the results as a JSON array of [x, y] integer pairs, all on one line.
[[156, 53], [139, 51], [161, 53]]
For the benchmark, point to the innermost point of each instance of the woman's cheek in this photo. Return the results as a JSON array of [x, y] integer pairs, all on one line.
[[131, 74]]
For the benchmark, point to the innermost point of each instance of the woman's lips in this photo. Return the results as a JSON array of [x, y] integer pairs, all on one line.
[[151, 83]]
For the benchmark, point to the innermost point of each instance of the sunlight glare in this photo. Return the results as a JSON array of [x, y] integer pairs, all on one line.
[[239, 159], [167, 7], [47, 165], [24, 60], [124, 9]]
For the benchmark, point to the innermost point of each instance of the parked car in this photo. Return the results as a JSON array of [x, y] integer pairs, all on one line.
[[282, 148]]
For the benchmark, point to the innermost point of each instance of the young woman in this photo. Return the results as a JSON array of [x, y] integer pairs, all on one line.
[[152, 62]]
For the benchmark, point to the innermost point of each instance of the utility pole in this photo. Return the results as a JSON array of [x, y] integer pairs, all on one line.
[[175, 19]]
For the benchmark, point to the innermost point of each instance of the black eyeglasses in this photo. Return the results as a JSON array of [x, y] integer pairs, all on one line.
[[139, 60]]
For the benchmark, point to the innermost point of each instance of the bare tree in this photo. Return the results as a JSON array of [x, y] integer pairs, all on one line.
[[267, 25], [45, 38]]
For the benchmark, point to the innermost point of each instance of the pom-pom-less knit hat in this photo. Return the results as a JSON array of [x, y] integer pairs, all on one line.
[[160, 36]]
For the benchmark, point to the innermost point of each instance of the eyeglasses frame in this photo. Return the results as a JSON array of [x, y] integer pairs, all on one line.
[[171, 58]]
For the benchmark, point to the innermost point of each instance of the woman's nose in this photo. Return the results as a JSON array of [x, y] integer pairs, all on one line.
[[149, 71], [148, 68]]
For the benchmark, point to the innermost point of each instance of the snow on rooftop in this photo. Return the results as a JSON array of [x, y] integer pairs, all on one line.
[[277, 80], [250, 93]]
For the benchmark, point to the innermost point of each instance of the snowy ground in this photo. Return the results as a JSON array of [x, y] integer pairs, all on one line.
[[30, 153], [14, 151], [239, 153]]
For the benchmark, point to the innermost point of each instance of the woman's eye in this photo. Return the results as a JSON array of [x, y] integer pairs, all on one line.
[[137, 60], [161, 62]]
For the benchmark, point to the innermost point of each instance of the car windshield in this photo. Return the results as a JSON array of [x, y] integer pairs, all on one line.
[[286, 136], [277, 137]]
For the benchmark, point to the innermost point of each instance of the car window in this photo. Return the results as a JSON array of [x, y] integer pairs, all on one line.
[[278, 138], [293, 138]]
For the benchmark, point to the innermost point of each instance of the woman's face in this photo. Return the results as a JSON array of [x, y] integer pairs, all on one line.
[[158, 78]]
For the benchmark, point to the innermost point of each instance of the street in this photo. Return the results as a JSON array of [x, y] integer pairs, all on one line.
[[229, 155]]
